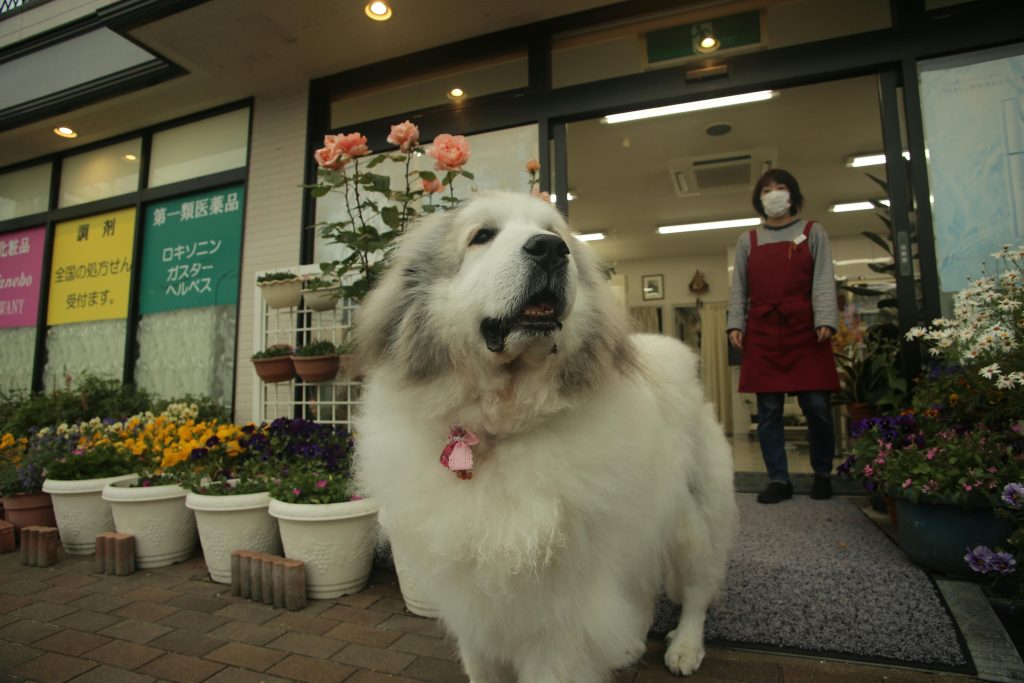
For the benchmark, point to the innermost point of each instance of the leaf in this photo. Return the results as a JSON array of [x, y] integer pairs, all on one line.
[[467, 174], [427, 175], [380, 183], [881, 183], [879, 240], [379, 159], [318, 191], [389, 214], [882, 267]]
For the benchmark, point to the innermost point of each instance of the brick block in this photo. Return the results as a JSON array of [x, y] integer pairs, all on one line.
[[39, 545], [115, 553], [269, 579], [6, 537]]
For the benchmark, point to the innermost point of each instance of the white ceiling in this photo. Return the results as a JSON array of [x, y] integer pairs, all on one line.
[[234, 49]]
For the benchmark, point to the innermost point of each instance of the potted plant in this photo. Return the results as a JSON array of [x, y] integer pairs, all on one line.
[[274, 363], [280, 289], [22, 463], [321, 519], [869, 374], [316, 361], [321, 293]]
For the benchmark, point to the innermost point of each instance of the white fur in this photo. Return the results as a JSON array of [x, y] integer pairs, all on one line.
[[590, 493]]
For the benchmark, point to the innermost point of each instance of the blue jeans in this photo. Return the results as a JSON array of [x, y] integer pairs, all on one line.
[[816, 408]]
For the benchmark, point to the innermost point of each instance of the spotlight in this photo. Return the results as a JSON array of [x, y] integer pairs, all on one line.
[[378, 11], [456, 94], [705, 41], [65, 132]]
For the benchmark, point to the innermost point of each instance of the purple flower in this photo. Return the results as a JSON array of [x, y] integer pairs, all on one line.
[[1002, 562], [1013, 495], [979, 559]]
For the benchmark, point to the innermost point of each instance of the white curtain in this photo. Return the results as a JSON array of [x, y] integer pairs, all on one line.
[[645, 319], [714, 357]]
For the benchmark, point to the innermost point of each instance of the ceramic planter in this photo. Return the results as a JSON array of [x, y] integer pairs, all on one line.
[[81, 511], [277, 369], [321, 299], [29, 509], [335, 541], [417, 599], [313, 369], [281, 293], [164, 529], [233, 522]]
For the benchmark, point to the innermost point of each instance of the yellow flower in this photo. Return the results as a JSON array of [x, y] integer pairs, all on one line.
[[953, 398]]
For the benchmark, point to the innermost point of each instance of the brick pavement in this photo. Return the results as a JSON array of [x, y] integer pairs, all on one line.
[[67, 623]]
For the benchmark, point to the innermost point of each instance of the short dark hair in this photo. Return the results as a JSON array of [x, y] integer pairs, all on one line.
[[796, 198]]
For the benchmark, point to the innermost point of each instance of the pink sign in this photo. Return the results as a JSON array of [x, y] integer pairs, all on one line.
[[21, 265]]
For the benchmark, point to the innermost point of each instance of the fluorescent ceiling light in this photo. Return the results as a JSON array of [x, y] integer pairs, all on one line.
[[711, 225], [855, 206], [713, 103], [589, 236], [870, 160], [856, 261]]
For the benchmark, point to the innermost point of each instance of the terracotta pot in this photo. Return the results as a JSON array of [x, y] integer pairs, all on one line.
[[313, 369], [278, 369], [29, 509], [857, 412]]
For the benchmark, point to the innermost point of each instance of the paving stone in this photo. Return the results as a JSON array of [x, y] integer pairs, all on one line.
[[247, 611], [108, 674], [197, 603], [180, 668], [27, 631], [9, 603], [289, 621], [59, 594], [145, 611], [625, 676], [135, 631], [111, 585], [436, 670], [354, 615], [247, 656], [310, 670], [390, 605], [360, 600], [12, 654], [53, 668], [43, 611], [6, 618], [363, 635], [187, 643], [124, 654], [207, 588], [377, 677], [440, 648], [374, 658], [71, 642], [23, 586], [234, 674], [151, 594], [384, 590], [305, 644], [193, 621], [99, 602], [114, 554], [72, 580], [254, 634], [410, 624], [85, 620]]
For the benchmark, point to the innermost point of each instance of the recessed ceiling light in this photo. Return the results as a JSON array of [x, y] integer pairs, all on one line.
[[129, 157], [716, 129], [710, 225], [378, 11], [456, 94], [705, 41], [712, 103], [855, 206], [65, 132]]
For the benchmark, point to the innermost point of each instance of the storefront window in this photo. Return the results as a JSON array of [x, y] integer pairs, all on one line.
[[973, 111], [21, 265], [24, 192], [101, 173], [218, 143]]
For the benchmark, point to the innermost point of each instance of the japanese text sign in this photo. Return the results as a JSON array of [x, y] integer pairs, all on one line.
[[92, 266], [191, 250], [21, 267]]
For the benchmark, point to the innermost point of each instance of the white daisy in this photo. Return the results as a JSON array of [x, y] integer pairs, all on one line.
[[989, 371]]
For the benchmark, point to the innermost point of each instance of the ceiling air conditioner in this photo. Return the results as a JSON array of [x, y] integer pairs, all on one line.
[[717, 173]]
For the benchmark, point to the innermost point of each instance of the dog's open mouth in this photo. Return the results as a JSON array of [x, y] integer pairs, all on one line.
[[539, 315]]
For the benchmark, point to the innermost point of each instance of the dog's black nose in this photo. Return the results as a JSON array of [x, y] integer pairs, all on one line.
[[548, 250]]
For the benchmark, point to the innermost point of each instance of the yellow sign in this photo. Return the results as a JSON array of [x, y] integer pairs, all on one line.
[[92, 268]]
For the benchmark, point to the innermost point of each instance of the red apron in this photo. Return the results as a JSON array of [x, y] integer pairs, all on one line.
[[781, 352]]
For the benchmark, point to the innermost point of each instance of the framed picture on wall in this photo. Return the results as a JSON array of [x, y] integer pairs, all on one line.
[[652, 287]]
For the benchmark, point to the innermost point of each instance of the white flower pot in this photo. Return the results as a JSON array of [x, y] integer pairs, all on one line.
[[282, 293], [233, 522], [164, 529], [321, 299], [335, 541], [81, 512], [417, 600]]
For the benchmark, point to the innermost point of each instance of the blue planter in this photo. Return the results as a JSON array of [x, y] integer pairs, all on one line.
[[937, 536]]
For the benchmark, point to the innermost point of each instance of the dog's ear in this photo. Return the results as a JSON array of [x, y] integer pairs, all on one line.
[[392, 323]]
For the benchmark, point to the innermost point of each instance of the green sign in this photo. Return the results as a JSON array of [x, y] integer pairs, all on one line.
[[191, 251], [738, 30]]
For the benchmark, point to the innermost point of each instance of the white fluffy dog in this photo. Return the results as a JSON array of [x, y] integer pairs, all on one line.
[[582, 469]]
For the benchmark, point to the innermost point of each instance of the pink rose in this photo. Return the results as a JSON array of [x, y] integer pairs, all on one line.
[[353, 144], [321, 483], [532, 166], [450, 151], [432, 186], [329, 158], [406, 135], [297, 492]]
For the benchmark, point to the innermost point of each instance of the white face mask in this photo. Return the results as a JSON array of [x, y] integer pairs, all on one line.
[[775, 203]]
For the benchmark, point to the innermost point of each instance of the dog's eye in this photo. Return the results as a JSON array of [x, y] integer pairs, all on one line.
[[483, 236]]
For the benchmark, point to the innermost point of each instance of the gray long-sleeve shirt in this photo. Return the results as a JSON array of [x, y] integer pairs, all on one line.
[[823, 288]]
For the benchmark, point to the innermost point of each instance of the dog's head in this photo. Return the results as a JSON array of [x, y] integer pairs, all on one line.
[[500, 281]]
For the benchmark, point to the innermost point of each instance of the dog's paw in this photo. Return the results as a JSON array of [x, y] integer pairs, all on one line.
[[683, 659]]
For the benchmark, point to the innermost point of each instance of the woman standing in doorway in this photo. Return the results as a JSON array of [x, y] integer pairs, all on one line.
[[782, 315]]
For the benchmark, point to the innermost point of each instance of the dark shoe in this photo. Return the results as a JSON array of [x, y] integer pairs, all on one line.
[[822, 488], [776, 492]]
